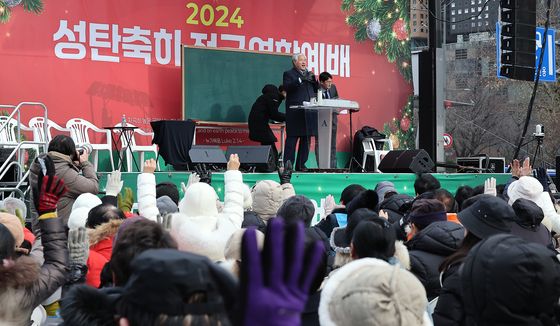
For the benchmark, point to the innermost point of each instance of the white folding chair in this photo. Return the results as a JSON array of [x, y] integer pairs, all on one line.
[[38, 124], [130, 149], [79, 129], [8, 136], [370, 146]]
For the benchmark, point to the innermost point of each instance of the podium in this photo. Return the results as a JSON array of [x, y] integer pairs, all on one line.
[[325, 108]]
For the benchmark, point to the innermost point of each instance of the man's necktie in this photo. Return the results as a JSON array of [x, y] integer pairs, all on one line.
[[327, 95]]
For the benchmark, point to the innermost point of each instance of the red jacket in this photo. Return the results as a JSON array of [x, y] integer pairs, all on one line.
[[101, 246]]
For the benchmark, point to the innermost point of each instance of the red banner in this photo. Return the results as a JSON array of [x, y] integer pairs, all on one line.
[[101, 59]]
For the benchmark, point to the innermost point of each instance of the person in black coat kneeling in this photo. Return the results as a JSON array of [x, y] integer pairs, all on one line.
[[265, 109]]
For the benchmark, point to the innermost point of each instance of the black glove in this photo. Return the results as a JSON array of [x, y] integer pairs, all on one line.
[[204, 174], [542, 176], [285, 173]]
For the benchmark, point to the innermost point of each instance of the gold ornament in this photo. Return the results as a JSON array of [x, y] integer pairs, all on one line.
[[395, 140]]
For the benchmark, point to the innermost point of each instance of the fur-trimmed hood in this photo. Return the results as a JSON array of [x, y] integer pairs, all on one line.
[[104, 231], [20, 273]]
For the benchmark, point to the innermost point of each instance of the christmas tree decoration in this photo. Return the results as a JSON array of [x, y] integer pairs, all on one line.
[[373, 29], [34, 6], [399, 28], [405, 123], [401, 131], [12, 3], [393, 36], [5, 12]]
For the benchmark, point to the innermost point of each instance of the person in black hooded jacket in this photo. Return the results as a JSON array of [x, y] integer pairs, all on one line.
[[509, 281], [265, 109], [429, 248]]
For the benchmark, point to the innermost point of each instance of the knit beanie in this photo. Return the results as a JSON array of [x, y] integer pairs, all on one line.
[[13, 224], [383, 188], [80, 210], [369, 291], [426, 211]]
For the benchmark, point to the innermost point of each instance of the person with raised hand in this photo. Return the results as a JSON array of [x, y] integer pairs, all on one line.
[[23, 283], [146, 191], [275, 283], [199, 227]]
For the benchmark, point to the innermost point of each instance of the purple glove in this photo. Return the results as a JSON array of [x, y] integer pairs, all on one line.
[[275, 284]]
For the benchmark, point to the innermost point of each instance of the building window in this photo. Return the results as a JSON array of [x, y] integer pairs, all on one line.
[[460, 11], [452, 19], [421, 16], [473, 24], [486, 23], [479, 24], [472, 10], [460, 54], [421, 30], [486, 15], [479, 8], [452, 12], [414, 23], [453, 27], [472, 2], [453, 5], [486, 8], [413, 16]]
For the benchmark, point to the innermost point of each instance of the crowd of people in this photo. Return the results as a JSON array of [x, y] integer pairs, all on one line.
[[482, 256]]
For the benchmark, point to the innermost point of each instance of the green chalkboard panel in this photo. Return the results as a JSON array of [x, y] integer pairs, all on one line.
[[222, 84]]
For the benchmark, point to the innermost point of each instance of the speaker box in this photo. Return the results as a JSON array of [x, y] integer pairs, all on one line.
[[209, 155], [484, 163], [406, 161], [259, 158]]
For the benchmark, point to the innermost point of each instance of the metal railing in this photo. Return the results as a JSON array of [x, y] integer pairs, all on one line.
[[21, 187]]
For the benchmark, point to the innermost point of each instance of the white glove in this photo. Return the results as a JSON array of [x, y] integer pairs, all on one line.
[[490, 187], [114, 184], [330, 205], [193, 178]]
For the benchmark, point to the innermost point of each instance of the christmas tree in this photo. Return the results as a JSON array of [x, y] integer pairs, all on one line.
[[34, 6], [386, 23]]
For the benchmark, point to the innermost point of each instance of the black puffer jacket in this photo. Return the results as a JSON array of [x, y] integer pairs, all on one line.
[[392, 204], [330, 222], [509, 281], [450, 310], [428, 249]]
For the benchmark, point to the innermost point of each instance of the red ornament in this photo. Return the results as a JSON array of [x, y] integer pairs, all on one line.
[[405, 123], [399, 28]]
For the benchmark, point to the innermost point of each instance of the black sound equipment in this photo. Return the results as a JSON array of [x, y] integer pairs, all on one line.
[[254, 158], [406, 161], [211, 156]]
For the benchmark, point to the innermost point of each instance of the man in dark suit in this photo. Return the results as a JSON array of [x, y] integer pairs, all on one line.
[[329, 92], [300, 85], [264, 109]]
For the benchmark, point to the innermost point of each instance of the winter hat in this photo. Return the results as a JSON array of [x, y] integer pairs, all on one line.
[[297, 208], [163, 281], [13, 224], [247, 198], [528, 218], [508, 281], [383, 188], [487, 216], [233, 245], [166, 205], [80, 210], [365, 199], [268, 196], [426, 211], [369, 291], [11, 204], [200, 200], [526, 187]]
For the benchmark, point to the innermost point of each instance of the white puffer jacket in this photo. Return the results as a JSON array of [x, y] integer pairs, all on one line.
[[198, 227], [146, 192]]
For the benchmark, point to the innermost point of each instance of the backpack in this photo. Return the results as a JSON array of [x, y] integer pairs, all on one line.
[[355, 164]]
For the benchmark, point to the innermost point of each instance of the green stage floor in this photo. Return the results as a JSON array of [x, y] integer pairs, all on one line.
[[318, 185]]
